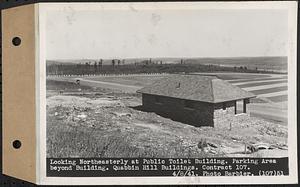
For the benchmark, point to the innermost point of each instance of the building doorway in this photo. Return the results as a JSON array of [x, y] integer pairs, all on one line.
[[241, 106]]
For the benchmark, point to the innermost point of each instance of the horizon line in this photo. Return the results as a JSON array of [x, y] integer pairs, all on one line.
[[168, 57]]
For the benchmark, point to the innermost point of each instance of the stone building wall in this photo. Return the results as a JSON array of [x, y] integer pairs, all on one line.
[[228, 117], [195, 113], [219, 112], [190, 112]]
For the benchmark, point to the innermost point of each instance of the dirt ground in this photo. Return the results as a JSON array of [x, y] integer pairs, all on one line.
[[83, 121]]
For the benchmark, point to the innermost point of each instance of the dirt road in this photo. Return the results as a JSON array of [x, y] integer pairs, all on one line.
[[114, 86]]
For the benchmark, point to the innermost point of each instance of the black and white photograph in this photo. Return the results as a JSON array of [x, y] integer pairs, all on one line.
[[178, 87]]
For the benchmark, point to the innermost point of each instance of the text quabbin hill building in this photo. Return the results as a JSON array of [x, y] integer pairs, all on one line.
[[194, 99]]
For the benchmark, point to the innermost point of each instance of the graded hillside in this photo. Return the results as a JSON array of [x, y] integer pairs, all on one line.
[[95, 122]]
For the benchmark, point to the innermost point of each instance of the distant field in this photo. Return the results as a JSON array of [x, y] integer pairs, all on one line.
[[249, 80], [129, 80], [262, 63], [232, 76], [270, 90], [147, 80], [271, 87], [261, 83]]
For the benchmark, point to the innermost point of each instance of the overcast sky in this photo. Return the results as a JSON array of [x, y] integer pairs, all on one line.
[[165, 33]]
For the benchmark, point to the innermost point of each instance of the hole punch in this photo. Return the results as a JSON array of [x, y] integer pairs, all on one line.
[[17, 144], [16, 41]]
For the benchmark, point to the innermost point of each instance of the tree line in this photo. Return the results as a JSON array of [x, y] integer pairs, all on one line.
[[146, 66]]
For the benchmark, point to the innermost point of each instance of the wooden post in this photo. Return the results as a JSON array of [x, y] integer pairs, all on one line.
[[244, 106], [235, 110]]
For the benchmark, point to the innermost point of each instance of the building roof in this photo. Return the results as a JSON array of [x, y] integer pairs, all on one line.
[[196, 87]]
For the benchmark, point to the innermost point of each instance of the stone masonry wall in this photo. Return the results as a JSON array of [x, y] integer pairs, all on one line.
[[196, 114], [220, 113], [228, 117]]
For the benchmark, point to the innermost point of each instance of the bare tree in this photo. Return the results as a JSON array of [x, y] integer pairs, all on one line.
[[100, 63], [95, 66]]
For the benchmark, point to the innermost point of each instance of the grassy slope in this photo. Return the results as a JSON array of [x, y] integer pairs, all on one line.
[[147, 80]]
